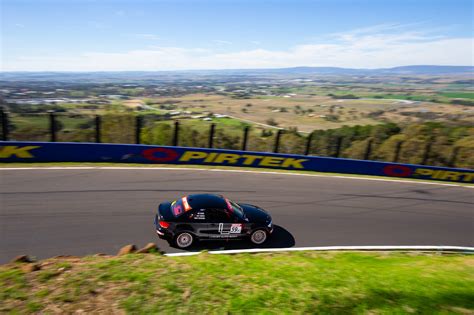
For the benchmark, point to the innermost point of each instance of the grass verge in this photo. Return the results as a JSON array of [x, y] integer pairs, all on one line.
[[215, 167], [298, 282]]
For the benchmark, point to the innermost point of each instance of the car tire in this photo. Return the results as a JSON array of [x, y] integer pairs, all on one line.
[[184, 239], [258, 237]]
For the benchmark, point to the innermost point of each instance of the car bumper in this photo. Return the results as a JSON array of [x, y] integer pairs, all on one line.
[[163, 234]]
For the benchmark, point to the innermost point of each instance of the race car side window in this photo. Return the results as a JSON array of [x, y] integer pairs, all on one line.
[[219, 215]]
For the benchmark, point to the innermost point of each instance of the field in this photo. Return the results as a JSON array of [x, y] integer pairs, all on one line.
[[304, 282], [230, 125], [311, 112], [306, 112], [306, 103], [458, 95]]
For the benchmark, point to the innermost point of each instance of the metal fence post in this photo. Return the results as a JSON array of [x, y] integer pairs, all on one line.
[[453, 157], [138, 129], [426, 155], [244, 141], [5, 123], [338, 147], [308, 144], [211, 135], [176, 133], [97, 128], [368, 150], [277, 141], [52, 125], [398, 149]]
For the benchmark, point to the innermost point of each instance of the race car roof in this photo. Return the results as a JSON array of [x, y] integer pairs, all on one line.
[[205, 201]]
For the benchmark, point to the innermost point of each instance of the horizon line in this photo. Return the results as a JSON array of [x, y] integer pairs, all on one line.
[[233, 69]]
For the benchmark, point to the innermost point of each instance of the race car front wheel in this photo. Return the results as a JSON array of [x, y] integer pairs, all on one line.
[[258, 237], [184, 239]]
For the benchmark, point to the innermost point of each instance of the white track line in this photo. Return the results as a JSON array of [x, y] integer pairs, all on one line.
[[234, 171], [459, 249]]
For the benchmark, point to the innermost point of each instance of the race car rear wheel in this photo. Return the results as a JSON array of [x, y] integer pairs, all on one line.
[[184, 239], [258, 237]]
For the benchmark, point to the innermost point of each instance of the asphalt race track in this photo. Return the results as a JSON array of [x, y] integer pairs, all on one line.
[[85, 211]]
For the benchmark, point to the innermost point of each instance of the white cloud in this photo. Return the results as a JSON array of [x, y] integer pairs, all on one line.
[[375, 47]]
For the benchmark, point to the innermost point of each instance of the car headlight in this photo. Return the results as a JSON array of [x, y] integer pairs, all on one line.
[[270, 224]]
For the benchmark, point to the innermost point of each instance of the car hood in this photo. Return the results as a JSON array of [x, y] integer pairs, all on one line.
[[255, 214]]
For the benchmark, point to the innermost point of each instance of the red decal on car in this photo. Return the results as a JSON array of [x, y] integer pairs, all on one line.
[[187, 207], [229, 206]]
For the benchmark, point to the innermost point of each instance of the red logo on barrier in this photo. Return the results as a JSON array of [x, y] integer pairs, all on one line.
[[397, 170], [168, 156]]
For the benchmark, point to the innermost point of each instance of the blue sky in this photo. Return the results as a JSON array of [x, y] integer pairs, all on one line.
[[101, 35]]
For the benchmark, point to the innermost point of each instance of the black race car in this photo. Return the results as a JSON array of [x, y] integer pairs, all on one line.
[[211, 217]]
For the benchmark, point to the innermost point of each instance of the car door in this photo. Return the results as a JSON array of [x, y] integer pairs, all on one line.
[[223, 224], [199, 221]]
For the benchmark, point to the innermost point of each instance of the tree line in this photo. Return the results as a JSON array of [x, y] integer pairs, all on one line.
[[431, 143]]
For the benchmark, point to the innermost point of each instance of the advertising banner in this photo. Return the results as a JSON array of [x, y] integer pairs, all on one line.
[[12, 151]]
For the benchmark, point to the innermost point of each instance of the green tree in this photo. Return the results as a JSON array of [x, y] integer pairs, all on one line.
[[158, 133]]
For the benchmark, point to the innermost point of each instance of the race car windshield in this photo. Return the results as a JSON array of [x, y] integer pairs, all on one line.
[[236, 209]]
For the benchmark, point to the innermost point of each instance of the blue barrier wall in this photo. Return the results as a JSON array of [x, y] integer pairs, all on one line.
[[12, 151]]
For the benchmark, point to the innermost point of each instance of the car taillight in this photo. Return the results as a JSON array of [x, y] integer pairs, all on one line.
[[164, 224]]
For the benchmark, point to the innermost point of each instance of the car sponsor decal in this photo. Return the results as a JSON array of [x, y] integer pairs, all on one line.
[[200, 215], [176, 208], [234, 229], [186, 205]]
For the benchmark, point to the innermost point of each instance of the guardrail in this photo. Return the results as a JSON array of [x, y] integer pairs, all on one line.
[[15, 151], [138, 129]]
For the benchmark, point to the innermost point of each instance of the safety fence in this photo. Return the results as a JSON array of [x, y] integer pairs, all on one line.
[[155, 129], [11, 151]]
